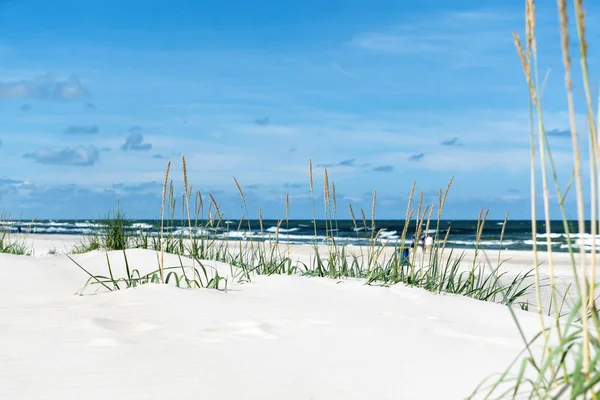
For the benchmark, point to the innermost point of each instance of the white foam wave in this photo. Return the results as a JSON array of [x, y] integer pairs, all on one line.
[[551, 236], [386, 234], [586, 247], [362, 228], [142, 225], [540, 243], [273, 229], [484, 242]]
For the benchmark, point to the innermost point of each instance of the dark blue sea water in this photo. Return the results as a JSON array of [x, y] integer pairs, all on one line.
[[517, 234]]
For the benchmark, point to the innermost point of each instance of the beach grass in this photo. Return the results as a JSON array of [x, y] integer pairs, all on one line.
[[194, 236], [8, 243], [112, 234], [567, 363], [181, 275]]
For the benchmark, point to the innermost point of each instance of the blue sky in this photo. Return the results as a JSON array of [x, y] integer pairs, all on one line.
[[97, 95]]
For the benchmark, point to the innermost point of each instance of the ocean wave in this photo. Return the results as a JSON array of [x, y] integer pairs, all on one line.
[[571, 235], [195, 231], [274, 229], [386, 234], [529, 242], [362, 228], [53, 223], [61, 230], [551, 236], [587, 241], [586, 247], [142, 225], [462, 234], [484, 242]]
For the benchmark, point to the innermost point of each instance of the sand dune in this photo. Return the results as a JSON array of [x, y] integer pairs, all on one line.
[[277, 337], [513, 262]]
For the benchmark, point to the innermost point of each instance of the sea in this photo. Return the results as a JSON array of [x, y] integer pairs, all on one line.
[[462, 233]]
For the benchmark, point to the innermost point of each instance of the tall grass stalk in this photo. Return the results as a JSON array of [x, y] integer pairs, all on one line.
[[162, 224], [569, 364]]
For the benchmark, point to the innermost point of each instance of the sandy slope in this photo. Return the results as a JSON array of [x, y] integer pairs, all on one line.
[[278, 337], [513, 262]]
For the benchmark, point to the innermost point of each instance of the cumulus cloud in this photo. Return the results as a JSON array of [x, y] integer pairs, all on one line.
[[134, 142], [416, 157], [82, 130], [383, 168], [158, 156], [343, 163], [44, 87], [451, 142], [26, 107], [262, 121], [78, 156]]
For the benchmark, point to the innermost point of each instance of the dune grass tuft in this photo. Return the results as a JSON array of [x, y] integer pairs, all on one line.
[[10, 244], [112, 235], [179, 275]]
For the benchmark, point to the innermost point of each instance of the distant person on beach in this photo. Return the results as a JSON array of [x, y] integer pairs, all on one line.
[[405, 256], [428, 244], [414, 243], [19, 229]]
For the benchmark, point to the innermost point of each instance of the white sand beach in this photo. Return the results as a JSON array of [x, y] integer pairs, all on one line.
[[276, 337]]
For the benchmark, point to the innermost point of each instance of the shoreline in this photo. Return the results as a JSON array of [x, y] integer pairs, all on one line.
[[68, 241], [516, 235]]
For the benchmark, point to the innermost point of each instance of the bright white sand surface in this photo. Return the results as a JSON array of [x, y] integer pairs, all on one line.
[[513, 262], [278, 337]]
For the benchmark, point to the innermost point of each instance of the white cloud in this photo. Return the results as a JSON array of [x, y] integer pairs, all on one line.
[[44, 87], [134, 141], [78, 156]]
